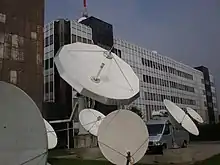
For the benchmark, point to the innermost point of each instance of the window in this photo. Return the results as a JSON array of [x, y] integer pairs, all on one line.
[[167, 129], [51, 86], [47, 87], [155, 129], [46, 64], [33, 35], [14, 40], [84, 40], [2, 18], [2, 38], [90, 41], [73, 38], [79, 39], [46, 42], [51, 39], [7, 51], [51, 62], [1, 50], [13, 77], [14, 53]]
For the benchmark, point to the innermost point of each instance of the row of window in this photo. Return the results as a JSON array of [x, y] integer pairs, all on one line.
[[160, 97], [164, 68], [48, 41], [154, 107], [80, 39], [48, 63], [166, 83]]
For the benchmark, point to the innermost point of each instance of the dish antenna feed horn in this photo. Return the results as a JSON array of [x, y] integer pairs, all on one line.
[[96, 78]]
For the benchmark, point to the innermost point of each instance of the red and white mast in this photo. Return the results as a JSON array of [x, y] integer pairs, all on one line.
[[85, 13]]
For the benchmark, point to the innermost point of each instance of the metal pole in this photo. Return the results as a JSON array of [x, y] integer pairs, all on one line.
[[68, 136]]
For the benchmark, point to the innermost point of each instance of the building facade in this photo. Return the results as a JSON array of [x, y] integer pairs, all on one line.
[[210, 94], [163, 78], [160, 77], [21, 45]]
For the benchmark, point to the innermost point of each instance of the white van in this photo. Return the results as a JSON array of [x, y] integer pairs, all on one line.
[[163, 135]]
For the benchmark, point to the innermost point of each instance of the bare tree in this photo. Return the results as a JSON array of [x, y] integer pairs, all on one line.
[[136, 110]]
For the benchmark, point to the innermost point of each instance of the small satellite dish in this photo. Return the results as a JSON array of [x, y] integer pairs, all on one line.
[[122, 137], [23, 135], [181, 117], [51, 135], [81, 19], [90, 119], [97, 73], [194, 114]]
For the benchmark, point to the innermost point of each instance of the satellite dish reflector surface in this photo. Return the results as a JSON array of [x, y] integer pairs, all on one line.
[[23, 137], [181, 117], [81, 19], [123, 131], [95, 73], [90, 119], [194, 114], [51, 135]]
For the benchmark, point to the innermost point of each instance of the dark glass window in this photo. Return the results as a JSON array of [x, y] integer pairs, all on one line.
[[51, 62], [84, 40], [46, 64], [46, 42], [73, 38], [51, 39], [79, 39], [47, 87], [51, 86]]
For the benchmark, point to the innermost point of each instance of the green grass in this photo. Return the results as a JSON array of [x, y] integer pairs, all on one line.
[[215, 160]]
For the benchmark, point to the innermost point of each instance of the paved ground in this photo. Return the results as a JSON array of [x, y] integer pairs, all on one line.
[[194, 152]]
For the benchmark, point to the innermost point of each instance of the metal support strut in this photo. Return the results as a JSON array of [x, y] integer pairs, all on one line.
[[128, 158]]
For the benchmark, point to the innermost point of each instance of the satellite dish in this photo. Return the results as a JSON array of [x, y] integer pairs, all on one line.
[[194, 114], [181, 117], [81, 19], [90, 119], [51, 135], [120, 133], [23, 134], [97, 73]]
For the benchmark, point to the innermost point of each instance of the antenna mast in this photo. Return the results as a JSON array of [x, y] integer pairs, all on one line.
[[85, 13]]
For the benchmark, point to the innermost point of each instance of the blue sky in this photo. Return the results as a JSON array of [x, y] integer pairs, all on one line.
[[185, 30]]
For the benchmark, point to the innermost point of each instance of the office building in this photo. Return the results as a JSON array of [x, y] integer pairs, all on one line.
[[164, 78], [210, 94], [21, 45]]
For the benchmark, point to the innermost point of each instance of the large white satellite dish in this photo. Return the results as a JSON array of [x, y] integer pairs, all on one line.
[[120, 133], [97, 73], [194, 114], [181, 117], [90, 119], [23, 138], [51, 135]]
